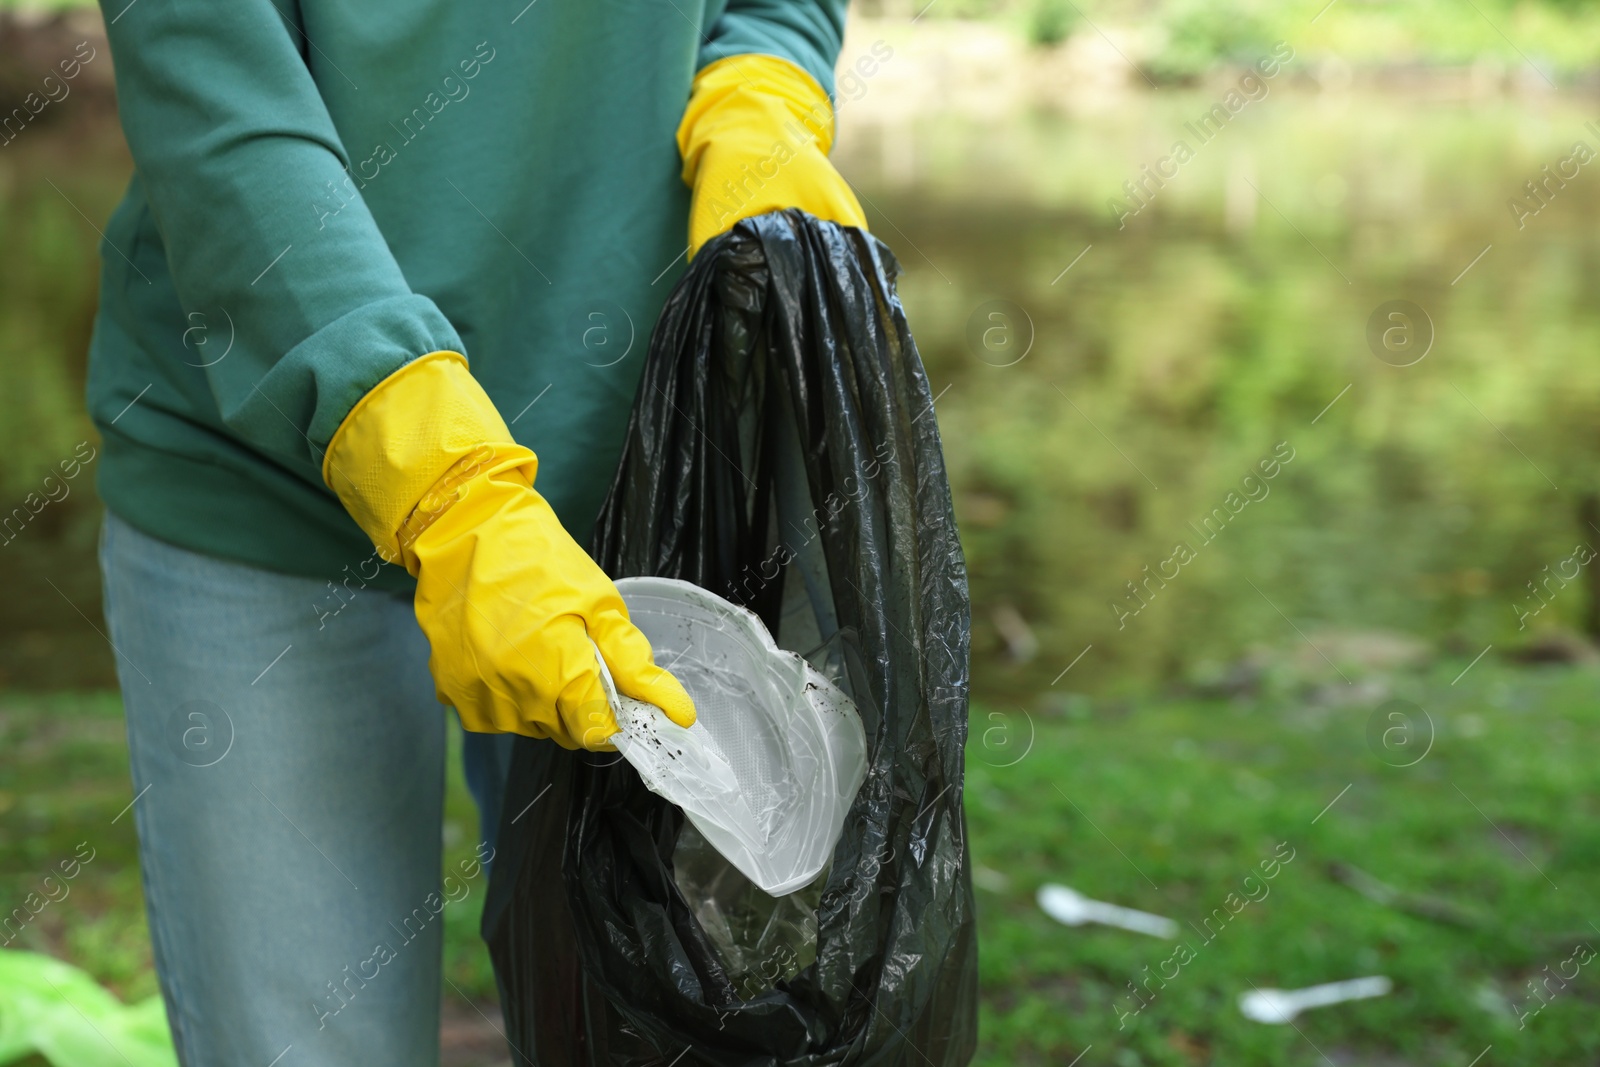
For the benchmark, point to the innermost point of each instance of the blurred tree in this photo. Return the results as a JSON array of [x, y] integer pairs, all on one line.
[[1199, 33], [1051, 21]]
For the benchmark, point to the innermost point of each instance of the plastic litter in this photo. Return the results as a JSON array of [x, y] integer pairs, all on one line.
[[1277, 1006], [768, 771], [781, 454], [1074, 909]]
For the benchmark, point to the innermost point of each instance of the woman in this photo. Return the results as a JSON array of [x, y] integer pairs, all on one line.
[[315, 504]]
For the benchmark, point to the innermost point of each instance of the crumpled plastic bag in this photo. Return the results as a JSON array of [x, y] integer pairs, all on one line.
[[782, 453]]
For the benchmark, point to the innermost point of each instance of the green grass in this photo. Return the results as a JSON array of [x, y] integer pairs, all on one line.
[[63, 781], [1168, 806], [1165, 804]]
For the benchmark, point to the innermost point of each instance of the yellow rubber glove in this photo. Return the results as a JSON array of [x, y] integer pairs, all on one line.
[[755, 138], [508, 600]]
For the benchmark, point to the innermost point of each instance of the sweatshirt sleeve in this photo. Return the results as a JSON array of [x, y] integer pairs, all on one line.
[[808, 33], [234, 149]]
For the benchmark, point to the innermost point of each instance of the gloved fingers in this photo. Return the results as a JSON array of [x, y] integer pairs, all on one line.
[[656, 686], [586, 713], [633, 668]]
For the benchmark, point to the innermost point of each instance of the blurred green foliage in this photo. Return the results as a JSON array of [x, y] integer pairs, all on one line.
[[1051, 21], [1181, 350], [53, 182], [60, 1013], [1201, 33], [1182, 40], [1192, 36]]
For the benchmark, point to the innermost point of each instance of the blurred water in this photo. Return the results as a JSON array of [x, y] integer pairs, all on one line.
[[1094, 417]]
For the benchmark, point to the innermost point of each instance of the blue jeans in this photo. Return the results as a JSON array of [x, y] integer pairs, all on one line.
[[288, 766]]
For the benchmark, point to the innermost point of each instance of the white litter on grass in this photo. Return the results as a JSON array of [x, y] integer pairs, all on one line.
[[1074, 909], [990, 879], [1282, 1005]]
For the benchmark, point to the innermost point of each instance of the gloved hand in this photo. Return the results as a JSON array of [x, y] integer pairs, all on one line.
[[755, 138], [507, 599]]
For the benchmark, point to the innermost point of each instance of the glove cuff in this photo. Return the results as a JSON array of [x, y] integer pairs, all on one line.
[[408, 447], [754, 92]]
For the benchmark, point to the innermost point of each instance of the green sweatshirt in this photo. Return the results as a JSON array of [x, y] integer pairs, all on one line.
[[325, 191]]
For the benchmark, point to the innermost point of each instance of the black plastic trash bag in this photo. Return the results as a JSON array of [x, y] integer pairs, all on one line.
[[782, 453]]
